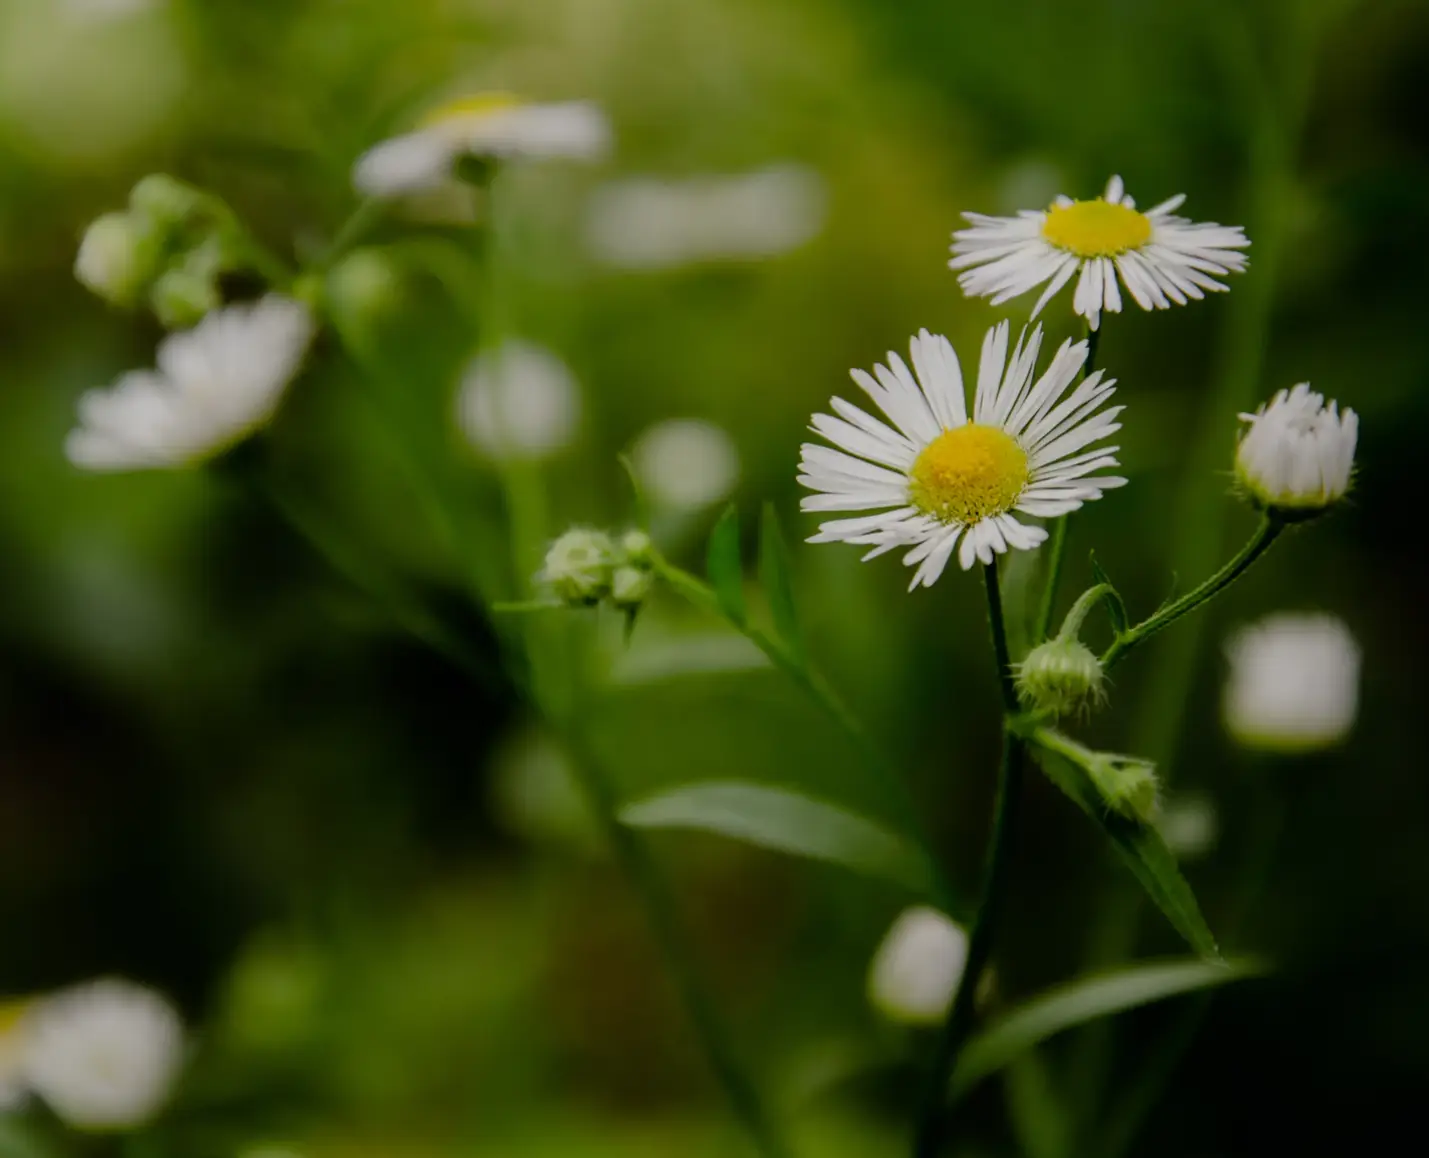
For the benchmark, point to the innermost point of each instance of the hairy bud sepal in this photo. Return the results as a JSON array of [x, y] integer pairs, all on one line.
[[1059, 678], [1127, 785]]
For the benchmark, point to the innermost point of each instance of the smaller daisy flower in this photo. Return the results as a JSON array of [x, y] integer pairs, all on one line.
[[916, 970], [103, 1055], [936, 477], [214, 385], [1294, 683], [1297, 456], [1159, 257], [493, 126]]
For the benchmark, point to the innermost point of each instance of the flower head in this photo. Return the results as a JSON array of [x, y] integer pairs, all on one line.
[[1159, 257], [1294, 683], [1060, 676], [518, 402], [580, 566], [214, 384], [936, 477], [1296, 457], [916, 970], [103, 1055], [487, 126]]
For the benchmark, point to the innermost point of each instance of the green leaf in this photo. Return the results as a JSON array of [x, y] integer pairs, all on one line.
[[1037, 1111], [1086, 999], [774, 576], [789, 822], [726, 570], [1022, 582], [1140, 847], [1115, 608]]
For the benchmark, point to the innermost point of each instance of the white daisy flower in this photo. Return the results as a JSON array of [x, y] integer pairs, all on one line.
[[103, 1055], [520, 401], [917, 967], [496, 126], [1159, 257], [214, 384], [935, 477], [1294, 683], [1297, 456]]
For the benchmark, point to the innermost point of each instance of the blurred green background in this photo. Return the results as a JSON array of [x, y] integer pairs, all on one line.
[[224, 774]]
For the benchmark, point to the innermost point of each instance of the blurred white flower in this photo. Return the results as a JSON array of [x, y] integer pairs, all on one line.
[[1189, 825], [214, 384], [1297, 455], [520, 401], [916, 970], [1160, 258], [115, 259], [646, 223], [1294, 683], [493, 126], [103, 1055], [103, 11], [685, 462], [12, 1085]]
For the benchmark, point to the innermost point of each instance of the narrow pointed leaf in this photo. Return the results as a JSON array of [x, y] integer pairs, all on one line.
[[726, 570], [1140, 848], [1087, 999], [774, 577], [789, 822]]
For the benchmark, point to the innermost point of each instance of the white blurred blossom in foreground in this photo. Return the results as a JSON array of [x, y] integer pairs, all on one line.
[[1294, 683], [104, 1055], [685, 462], [916, 970], [487, 126], [214, 385], [648, 223], [520, 401]]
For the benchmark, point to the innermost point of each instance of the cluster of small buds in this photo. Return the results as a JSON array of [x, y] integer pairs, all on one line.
[[1061, 677], [587, 566], [170, 246]]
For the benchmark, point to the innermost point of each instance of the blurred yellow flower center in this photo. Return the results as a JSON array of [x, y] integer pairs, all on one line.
[[1096, 228], [967, 474], [474, 107]]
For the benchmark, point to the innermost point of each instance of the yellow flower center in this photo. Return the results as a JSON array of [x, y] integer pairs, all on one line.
[[1096, 228], [475, 107], [967, 474]]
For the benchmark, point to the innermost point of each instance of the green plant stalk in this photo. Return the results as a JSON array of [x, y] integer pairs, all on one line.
[[1072, 625], [931, 1128], [1057, 549], [814, 685], [1260, 542]]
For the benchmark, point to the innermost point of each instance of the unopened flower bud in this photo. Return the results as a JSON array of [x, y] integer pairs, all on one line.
[[630, 585], [580, 566], [917, 967], [637, 548], [166, 202], [116, 259], [1296, 457], [1060, 676], [1127, 784], [182, 297]]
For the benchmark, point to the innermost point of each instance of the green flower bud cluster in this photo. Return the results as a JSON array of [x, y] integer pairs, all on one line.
[[587, 566], [169, 247]]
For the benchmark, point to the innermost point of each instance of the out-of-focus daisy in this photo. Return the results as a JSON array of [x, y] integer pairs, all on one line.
[[1294, 683], [215, 384], [685, 462], [493, 126], [1297, 455], [1189, 825], [917, 967], [935, 477], [1159, 257], [519, 401], [103, 1055], [644, 223]]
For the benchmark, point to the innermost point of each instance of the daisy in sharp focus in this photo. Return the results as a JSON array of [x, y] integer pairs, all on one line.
[[494, 126], [1160, 258], [214, 385], [936, 478]]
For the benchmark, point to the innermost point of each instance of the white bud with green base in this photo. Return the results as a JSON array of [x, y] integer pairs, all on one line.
[[117, 259], [580, 567]]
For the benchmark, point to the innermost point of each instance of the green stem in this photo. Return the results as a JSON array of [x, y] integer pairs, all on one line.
[[1259, 543], [639, 867], [931, 1128], [1057, 549], [360, 222], [1072, 624]]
